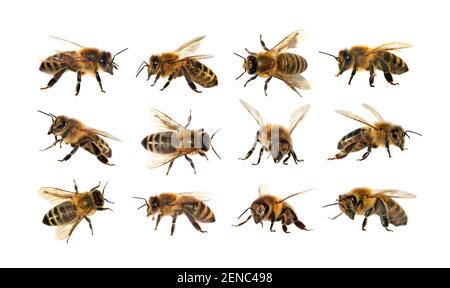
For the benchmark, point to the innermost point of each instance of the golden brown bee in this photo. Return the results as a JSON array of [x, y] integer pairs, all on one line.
[[174, 205], [76, 134], [365, 58], [379, 134], [270, 208], [275, 63], [83, 61], [71, 208], [275, 139], [175, 141], [367, 202], [181, 63]]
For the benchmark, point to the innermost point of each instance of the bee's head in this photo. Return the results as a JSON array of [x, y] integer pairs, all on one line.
[[99, 196], [347, 204], [154, 65], [153, 205], [106, 61], [59, 124], [206, 142], [396, 136], [250, 64], [258, 211]]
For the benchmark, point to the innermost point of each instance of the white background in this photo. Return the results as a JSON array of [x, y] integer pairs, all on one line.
[[125, 237]]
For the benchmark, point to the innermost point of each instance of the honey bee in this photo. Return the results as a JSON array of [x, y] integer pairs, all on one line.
[[175, 141], [72, 207], [379, 134], [181, 63], [275, 139], [83, 61], [170, 204], [270, 208], [76, 134], [276, 63], [367, 202], [370, 59]]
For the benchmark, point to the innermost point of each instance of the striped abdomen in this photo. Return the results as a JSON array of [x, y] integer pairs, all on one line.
[[96, 145], [351, 138], [289, 63], [61, 214], [161, 143], [201, 74], [396, 215], [59, 61], [200, 211], [395, 64]]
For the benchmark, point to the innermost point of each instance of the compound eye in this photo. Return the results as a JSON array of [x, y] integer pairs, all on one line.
[[155, 63], [394, 134], [62, 124], [353, 199], [348, 58]]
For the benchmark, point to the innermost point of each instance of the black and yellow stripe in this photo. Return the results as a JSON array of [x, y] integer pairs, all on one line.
[[61, 214], [201, 74], [396, 215], [160, 143], [201, 212], [289, 63], [396, 64]]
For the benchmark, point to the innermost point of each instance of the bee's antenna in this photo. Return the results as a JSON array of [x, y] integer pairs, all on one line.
[[112, 61], [409, 131], [337, 58], [245, 61], [141, 67], [249, 208], [103, 193], [330, 205], [140, 198], [48, 114], [214, 150]]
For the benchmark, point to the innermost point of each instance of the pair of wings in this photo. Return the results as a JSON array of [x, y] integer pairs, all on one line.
[[393, 46], [264, 190], [57, 196], [101, 133], [296, 116], [393, 193], [186, 50], [165, 123], [362, 120], [291, 41], [184, 198]]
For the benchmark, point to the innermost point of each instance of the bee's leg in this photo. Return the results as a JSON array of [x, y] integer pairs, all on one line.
[[300, 225], [73, 228], [193, 222], [285, 229], [386, 144], [158, 219], [170, 166], [382, 211], [99, 80], [287, 158], [339, 155], [262, 43], [77, 89], [174, 221], [364, 157], [335, 217], [272, 222], [372, 75], [250, 152], [104, 160], [191, 162], [90, 225], [366, 217], [260, 155], [266, 83], [203, 155], [156, 79], [54, 144], [168, 81], [55, 79], [189, 119], [188, 78], [353, 74], [248, 219], [68, 156], [75, 186], [251, 79], [296, 160], [388, 77], [104, 209]]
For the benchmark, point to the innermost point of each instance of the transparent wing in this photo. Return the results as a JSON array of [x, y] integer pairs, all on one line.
[[293, 195], [55, 195], [393, 193], [195, 57], [297, 81], [263, 190], [291, 41], [101, 133], [189, 47], [393, 46], [64, 40], [373, 111], [354, 117], [255, 113], [62, 232], [297, 116], [159, 160], [165, 121], [201, 196]]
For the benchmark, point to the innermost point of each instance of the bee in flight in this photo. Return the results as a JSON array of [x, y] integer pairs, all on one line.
[[371, 59], [277, 63], [170, 204], [71, 208], [83, 61], [76, 134], [175, 141], [275, 139], [270, 208], [379, 134], [179, 63], [367, 202]]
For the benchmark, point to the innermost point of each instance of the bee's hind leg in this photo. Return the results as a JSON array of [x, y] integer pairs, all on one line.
[[382, 211], [77, 89], [364, 157], [90, 225], [190, 162], [68, 156], [194, 223], [55, 79], [372, 75], [296, 160], [188, 78]]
